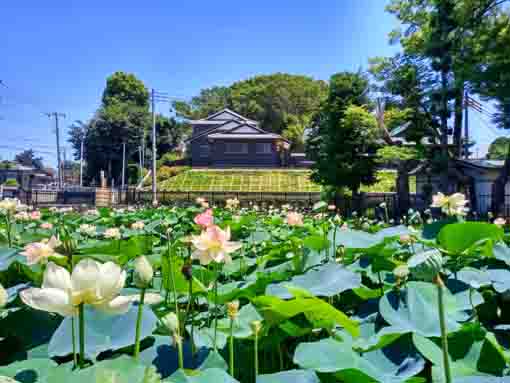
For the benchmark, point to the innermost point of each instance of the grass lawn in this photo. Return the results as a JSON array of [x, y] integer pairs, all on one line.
[[288, 180]]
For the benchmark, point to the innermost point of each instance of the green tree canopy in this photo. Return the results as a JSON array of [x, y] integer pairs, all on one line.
[[282, 103], [28, 158], [498, 149], [123, 117], [343, 141]]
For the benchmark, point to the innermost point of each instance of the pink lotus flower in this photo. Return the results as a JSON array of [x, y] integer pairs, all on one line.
[[294, 219], [205, 219], [500, 221], [35, 215], [213, 245], [40, 251], [46, 226]]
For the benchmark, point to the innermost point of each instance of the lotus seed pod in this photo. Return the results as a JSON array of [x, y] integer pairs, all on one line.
[[256, 326], [3, 297], [233, 309], [426, 266], [171, 322], [143, 272]]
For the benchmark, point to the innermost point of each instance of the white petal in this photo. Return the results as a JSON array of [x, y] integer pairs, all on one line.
[[119, 305], [51, 300], [56, 277], [85, 275], [111, 280]]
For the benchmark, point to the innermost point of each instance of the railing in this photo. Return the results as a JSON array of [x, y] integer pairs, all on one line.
[[41, 198], [368, 204]]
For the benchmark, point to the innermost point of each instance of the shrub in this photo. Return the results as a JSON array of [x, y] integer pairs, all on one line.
[[11, 182]]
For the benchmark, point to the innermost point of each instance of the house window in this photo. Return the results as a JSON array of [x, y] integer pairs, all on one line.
[[236, 148], [204, 151], [263, 148]]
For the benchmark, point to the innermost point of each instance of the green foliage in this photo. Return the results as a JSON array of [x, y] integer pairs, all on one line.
[[125, 88], [11, 182], [281, 102], [123, 118], [343, 143], [498, 149], [389, 154], [344, 314], [28, 158]]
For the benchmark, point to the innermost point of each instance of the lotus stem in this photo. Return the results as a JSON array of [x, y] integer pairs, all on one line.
[[475, 311], [8, 227], [231, 348], [215, 312], [73, 338], [444, 331], [81, 318], [139, 324], [172, 275], [381, 284], [178, 343], [256, 351]]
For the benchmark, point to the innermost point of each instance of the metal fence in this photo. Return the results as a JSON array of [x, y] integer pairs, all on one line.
[[41, 198], [369, 204]]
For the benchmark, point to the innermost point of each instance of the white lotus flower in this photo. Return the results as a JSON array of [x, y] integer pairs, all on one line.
[[232, 203], [22, 216], [90, 283], [143, 272], [171, 322], [4, 297], [138, 225], [113, 233], [454, 204], [12, 205], [86, 229]]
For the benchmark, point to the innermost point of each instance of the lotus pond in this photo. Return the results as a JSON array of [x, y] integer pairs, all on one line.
[[227, 294]]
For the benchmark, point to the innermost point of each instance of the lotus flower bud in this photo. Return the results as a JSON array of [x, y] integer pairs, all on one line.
[[256, 326], [401, 272], [171, 322], [3, 297], [233, 309], [5, 379], [427, 265], [187, 271], [143, 272]]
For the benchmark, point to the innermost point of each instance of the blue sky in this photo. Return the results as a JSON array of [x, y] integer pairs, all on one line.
[[57, 54]]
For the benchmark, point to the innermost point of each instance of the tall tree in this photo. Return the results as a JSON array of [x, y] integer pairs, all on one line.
[[343, 142], [498, 149], [28, 158], [280, 102], [122, 118]]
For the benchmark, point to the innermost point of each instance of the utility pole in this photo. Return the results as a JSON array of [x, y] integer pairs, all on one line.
[[466, 125], [154, 187], [123, 164], [56, 116], [160, 97], [64, 167]]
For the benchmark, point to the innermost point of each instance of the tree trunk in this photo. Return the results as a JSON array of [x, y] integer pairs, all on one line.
[[444, 133], [402, 187]]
